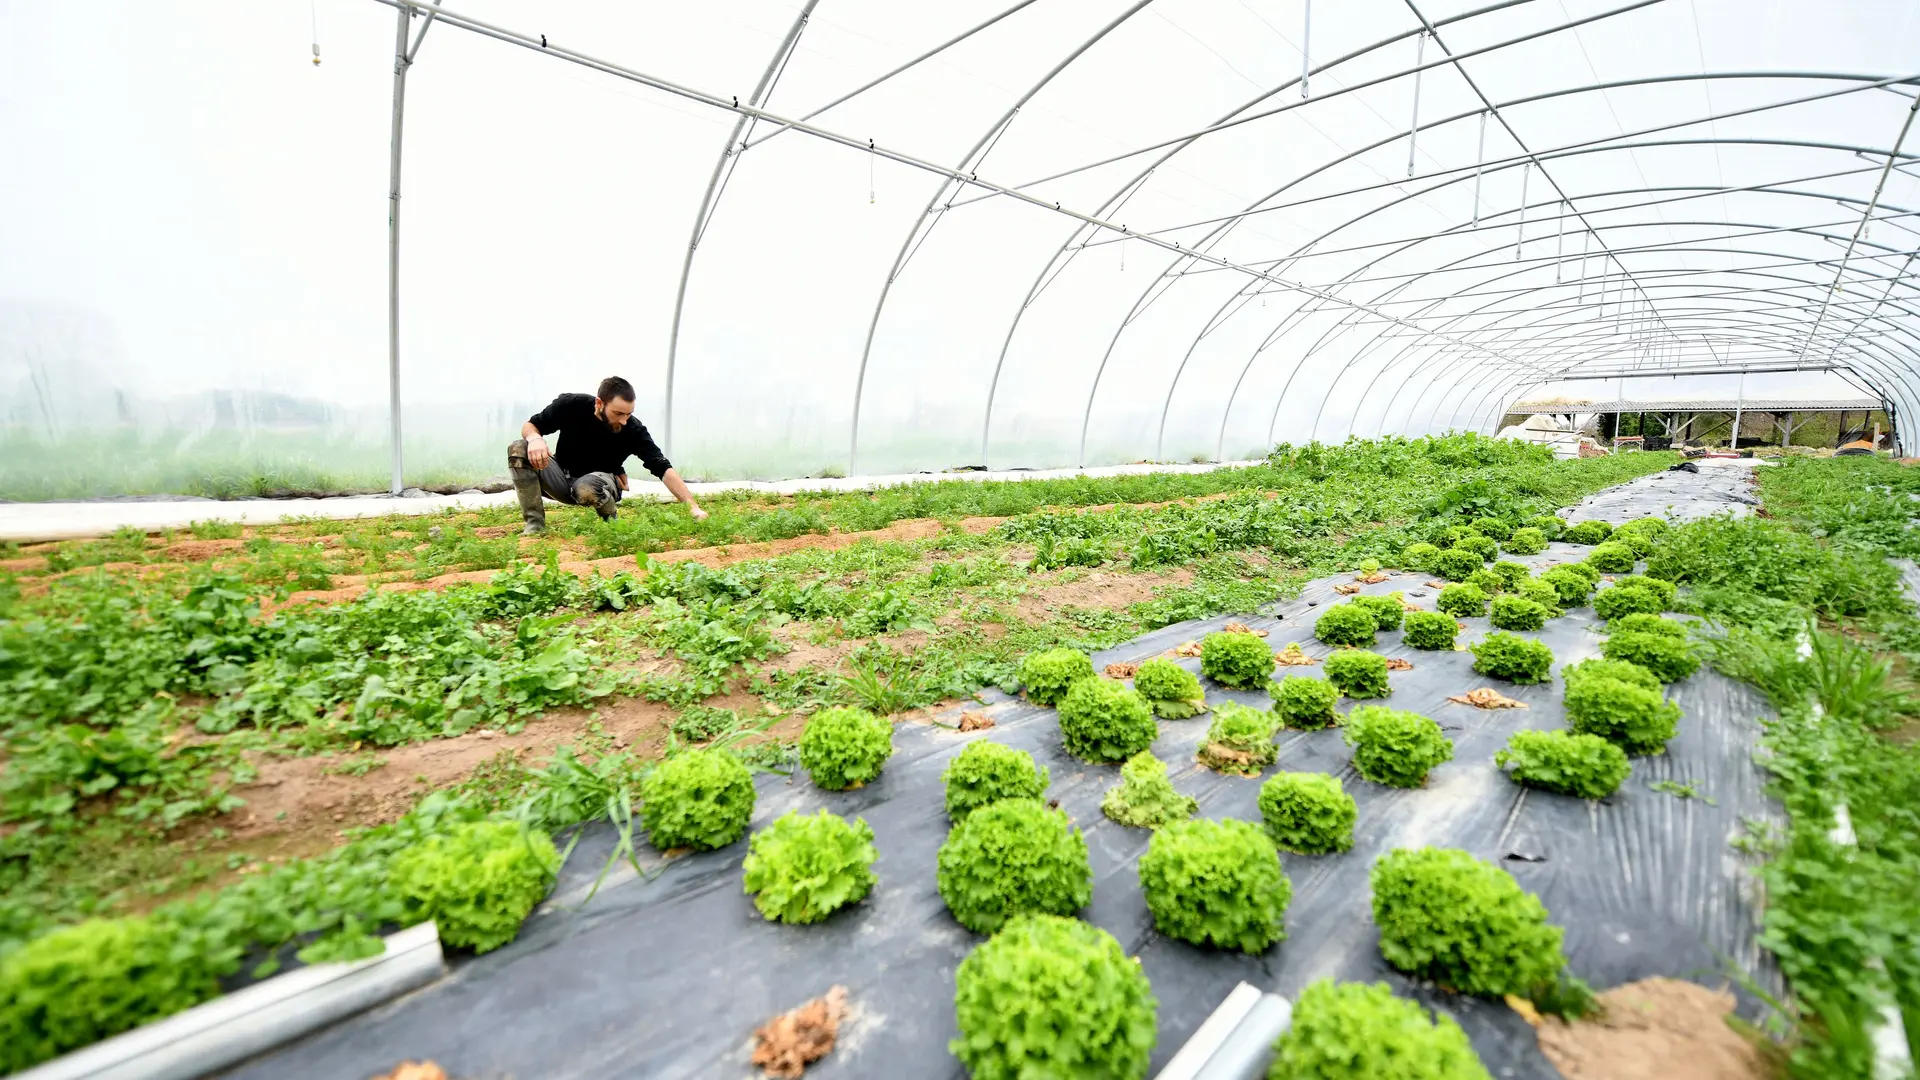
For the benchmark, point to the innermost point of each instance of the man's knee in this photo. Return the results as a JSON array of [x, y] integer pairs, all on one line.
[[517, 455], [599, 491]]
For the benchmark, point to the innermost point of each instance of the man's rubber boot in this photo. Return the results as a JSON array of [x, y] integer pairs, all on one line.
[[526, 488], [600, 491]]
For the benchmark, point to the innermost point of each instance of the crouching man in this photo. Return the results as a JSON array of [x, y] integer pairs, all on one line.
[[598, 433]]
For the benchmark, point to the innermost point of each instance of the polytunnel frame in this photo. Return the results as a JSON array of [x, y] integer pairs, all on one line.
[[1314, 299]]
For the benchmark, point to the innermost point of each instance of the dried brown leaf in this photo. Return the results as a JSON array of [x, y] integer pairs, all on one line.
[[1408, 605], [1346, 590], [1121, 671], [1394, 663], [415, 1070], [1187, 648], [1374, 578], [788, 1043], [1243, 628], [1436, 584], [1291, 656], [975, 721], [1486, 697]]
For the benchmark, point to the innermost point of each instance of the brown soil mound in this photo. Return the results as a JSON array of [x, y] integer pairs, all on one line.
[[189, 551], [1655, 1029]]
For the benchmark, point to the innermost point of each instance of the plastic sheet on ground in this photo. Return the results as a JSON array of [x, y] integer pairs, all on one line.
[[667, 976]]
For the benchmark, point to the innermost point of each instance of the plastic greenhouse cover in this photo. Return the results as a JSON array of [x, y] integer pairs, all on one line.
[[1463, 203], [668, 976]]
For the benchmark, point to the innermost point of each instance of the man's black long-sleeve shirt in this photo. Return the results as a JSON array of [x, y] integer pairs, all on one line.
[[587, 444]]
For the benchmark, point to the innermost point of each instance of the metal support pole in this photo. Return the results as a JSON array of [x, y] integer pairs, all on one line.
[[1479, 167], [1306, 48], [1413, 127], [400, 64], [1520, 227], [1739, 399]]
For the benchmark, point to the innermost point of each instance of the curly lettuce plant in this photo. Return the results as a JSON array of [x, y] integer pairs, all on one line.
[[1171, 690], [1516, 659], [1519, 613], [1486, 581], [1482, 547], [1463, 923], [1103, 721], [1310, 813], [1511, 574], [1667, 591], [478, 881], [1648, 624], [1052, 997], [986, 772], [1669, 658], [1386, 608], [1430, 630], [1587, 532], [1453, 534], [1304, 703], [803, 869], [1357, 673], [1640, 543], [1145, 798], [77, 985], [1216, 883], [1395, 747], [1526, 541], [845, 747], [1456, 565], [1649, 526], [699, 799], [1050, 673], [1612, 557], [1584, 766], [1419, 556], [1542, 593], [1345, 624], [1615, 602], [1360, 1031], [1569, 584], [1622, 703], [1242, 661], [1549, 524], [1240, 740], [1462, 601], [1013, 857], [1493, 527]]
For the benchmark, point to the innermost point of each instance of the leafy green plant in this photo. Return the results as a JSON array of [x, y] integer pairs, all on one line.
[[1386, 609], [1516, 659], [1304, 703], [1549, 524], [1526, 541], [1144, 798], [1455, 564], [1492, 527], [801, 869], [1358, 673], [1360, 1031], [1542, 593], [1049, 674], [1013, 857], [1669, 658], [1587, 532], [1419, 556], [1612, 557], [1462, 601], [1519, 613], [1430, 630], [1216, 883], [844, 747], [83, 983], [986, 772], [1667, 591], [1456, 533], [1054, 997], [1242, 661], [1463, 923], [1172, 691], [1310, 813], [1104, 721], [698, 799], [1620, 702], [1511, 574], [1395, 747], [1611, 604], [1642, 623], [477, 881], [1481, 547], [1649, 526], [1572, 586], [1585, 766], [1240, 739], [1640, 543], [1486, 581], [1341, 624], [703, 723]]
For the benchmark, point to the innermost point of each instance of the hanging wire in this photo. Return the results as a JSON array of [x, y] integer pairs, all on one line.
[[1306, 48], [313, 19]]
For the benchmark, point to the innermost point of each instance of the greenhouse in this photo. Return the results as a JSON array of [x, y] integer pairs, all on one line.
[[1177, 538]]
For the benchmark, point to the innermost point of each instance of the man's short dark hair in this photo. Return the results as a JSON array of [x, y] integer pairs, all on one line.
[[614, 387]]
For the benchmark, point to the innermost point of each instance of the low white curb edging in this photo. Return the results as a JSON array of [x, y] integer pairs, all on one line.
[[231, 1028], [1236, 1041]]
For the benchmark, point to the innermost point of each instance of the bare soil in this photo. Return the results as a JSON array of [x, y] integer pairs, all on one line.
[[1656, 1029]]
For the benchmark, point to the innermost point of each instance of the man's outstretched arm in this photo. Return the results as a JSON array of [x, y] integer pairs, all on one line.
[[537, 453], [671, 478]]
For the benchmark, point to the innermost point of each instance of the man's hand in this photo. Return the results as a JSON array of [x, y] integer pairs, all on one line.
[[694, 512], [621, 478], [537, 453]]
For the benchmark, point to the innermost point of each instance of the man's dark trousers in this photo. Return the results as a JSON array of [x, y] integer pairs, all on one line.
[[599, 490]]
